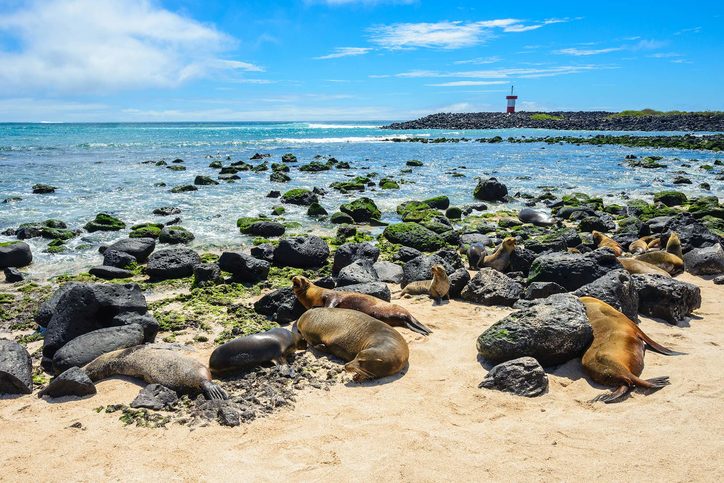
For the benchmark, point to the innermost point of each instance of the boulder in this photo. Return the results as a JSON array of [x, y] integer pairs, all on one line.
[[109, 272], [243, 267], [104, 222], [414, 235], [573, 271], [490, 190], [705, 261], [113, 258], [204, 181], [264, 229], [666, 298], [265, 252], [15, 254], [301, 252], [405, 254], [553, 331], [692, 232], [174, 235], [156, 397], [351, 252], [280, 306], [361, 210], [41, 189], [172, 263], [166, 211], [13, 275], [72, 382], [139, 248], [541, 290], [617, 289], [388, 272], [376, 289], [85, 348], [458, 280], [521, 259], [523, 376], [359, 271], [207, 274], [490, 287], [16, 368], [300, 196]]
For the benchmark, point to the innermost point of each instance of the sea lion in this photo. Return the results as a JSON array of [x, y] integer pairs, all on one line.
[[673, 245], [500, 259], [664, 260], [641, 245], [634, 266], [616, 355], [253, 350], [157, 364], [654, 244], [310, 295], [373, 349], [602, 241], [529, 215], [437, 288], [476, 253]]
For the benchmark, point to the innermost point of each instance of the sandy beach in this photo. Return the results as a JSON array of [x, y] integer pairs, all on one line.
[[430, 424]]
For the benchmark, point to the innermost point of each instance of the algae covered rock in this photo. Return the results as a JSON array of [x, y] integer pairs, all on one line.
[[300, 196], [104, 222], [361, 210], [414, 235]]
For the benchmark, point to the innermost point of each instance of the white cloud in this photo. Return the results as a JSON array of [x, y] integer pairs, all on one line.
[[467, 83], [665, 55], [480, 60], [519, 72], [345, 52], [447, 35], [584, 52], [107, 45]]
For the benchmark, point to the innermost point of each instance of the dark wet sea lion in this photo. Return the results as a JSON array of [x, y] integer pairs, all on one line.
[[603, 241], [529, 215], [616, 355], [634, 266], [669, 262], [373, 349], [476, 253], [253, 350], [500, 259], [437, 288], [157, 364], [310, 296], [641, 245]]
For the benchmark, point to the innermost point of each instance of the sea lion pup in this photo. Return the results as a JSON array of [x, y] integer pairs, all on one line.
[[157, 364], [672, 264], [500, 259], [616, 355], [476, 253], [437, 288], [634, 266], [247, 352], [310, 295], [673, 245], [602, 241], [372, 348], [529, 215], [640, 245]]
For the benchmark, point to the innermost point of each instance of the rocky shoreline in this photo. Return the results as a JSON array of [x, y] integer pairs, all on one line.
[[571, 120]]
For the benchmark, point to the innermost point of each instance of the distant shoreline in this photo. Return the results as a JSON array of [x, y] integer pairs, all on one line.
[[646, 120]]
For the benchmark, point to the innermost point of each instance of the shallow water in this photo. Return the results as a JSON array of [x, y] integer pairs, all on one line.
[[97, 168]]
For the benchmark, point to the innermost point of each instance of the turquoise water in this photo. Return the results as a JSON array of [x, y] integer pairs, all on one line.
[[98, 167]]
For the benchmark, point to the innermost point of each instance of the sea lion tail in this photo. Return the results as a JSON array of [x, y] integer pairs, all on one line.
[[416, 326]]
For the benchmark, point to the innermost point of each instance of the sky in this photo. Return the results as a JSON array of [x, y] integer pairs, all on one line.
[[262, 60]]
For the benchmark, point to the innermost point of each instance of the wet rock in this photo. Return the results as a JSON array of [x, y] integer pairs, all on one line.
[[172, 263], [109, 272], [265, 252], [104, 222], [15, 254], [617, 289], [139, 248], [490, 287], [265, 229], [553, 331], [573, 271], [490, 190], [388, 272], [541, 290], [523, 376], [376, 289], [72, 382], [113, 258], [156, 397], [458, 280], [280, 306], [207, 274], [666, 298], [361, 210], [705, 261], [40, 189], [85, 348], [300, 196], [166, 211], [301, 252], [243, 267], [174, 235], [15, 368], [204, 181], [13, 275], [351, 252]]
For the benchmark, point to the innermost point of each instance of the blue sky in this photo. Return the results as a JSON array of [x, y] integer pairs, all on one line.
[[206, 60]]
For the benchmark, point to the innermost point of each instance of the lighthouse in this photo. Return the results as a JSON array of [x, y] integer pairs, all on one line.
[[511, 101]]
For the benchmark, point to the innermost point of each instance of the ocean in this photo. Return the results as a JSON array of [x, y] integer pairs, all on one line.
[[99, 168]]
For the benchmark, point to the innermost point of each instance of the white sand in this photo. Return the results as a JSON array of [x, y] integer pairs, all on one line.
[[431, 424]]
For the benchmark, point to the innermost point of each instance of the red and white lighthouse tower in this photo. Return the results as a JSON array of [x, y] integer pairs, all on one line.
[[511, 101]]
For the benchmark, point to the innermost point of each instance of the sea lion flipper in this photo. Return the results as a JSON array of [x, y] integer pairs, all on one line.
[[654, 383], [655, 346], [416, 326], [213, 391], [613, 396]]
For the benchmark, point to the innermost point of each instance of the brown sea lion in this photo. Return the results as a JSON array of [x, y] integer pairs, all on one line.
[[437, 288], [664, 260], [373, 349], [253, 350], [157, 364], [500, 258], [634, 266], [602, 241], [616, 355], [673, 245], [641, 245], [654, 244], [310, 295]]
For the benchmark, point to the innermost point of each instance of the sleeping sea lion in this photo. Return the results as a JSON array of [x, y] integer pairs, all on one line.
[[157, 364], [653, 244], [640, 245], [476, 253], [253, 350], [373, 349], [634, 266], [437, 288], [500, 259], [602, 241], [672, 264], [310, 295], [616, 355], [529, 215]]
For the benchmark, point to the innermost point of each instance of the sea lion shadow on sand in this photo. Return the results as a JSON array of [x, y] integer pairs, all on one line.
[[381, 381], [65, 399]]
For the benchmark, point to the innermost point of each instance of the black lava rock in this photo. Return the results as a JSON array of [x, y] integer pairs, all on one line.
[[172, 263], [351, 252], [490, 287], [523, 376], [301, 252], [666, 298], [156, 397], [617, 289], [72, 382], [573, 271], [15, 254], [243, 267], [16, 368]]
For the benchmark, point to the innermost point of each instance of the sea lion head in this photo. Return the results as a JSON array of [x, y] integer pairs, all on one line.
[[300, 284], [509, 244], [597, 237], [297, 340], [438, 271]]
